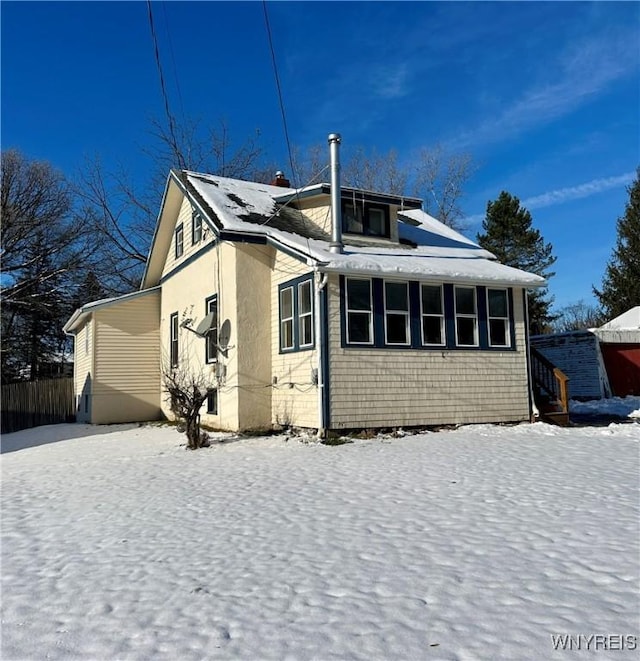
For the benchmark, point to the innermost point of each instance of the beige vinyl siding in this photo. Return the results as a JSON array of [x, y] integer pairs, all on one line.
[[392, 388], [82, 369], [253, 334], [127, 361], [185, 219], [294, 396], [318, 211], [185, 292]]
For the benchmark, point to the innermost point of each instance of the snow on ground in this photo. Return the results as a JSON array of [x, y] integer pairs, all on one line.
[[479, 543], [621, 407]]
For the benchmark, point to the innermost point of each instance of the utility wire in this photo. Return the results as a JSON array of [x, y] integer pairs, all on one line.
[[275, 71], [171, 121], [173, 59]]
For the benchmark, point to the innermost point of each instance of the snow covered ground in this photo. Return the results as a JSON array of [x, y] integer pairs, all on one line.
[[479, 543]]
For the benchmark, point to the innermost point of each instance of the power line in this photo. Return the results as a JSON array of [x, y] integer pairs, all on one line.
[[275, 71], [171, 121]]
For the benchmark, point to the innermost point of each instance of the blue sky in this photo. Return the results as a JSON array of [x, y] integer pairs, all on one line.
[[544, 96]]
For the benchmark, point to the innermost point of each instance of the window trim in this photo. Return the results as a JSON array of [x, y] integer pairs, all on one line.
[[212, 394], [295, 286], [283, 320], [507, 319], [196, 236], [362, 210], [475, 317], [441, 316], [179, 244], [208, 358], [302, 315], [370, 312], [174, 335], [406, 314]]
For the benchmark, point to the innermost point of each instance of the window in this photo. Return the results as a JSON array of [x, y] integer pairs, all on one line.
[[179, 240], [196, 228], [466, 317], [212, 401], [211, 340], [432, 315], [305, 314], [396, 312], [498, 322], [173, 339], [365, 218], [296, 314], [286, 318], [359, 311]]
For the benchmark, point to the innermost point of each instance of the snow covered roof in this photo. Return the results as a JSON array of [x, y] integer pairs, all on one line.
[[79, 316], [624, 329], [428, 249], [626, 321]]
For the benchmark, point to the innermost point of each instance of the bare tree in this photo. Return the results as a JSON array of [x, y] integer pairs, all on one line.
[[577, 316], [437, 177], [46, 247], [125, 212], [440, 178], [188, 390]]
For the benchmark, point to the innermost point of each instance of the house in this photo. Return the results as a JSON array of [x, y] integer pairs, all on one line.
[[578, 355], [325, 307], [599, 362]]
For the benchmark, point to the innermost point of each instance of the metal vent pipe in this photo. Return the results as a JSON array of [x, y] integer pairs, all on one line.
[[336, 209]]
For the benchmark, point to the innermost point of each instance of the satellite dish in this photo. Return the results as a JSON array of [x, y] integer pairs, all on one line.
[[205, 325], [224, 335]]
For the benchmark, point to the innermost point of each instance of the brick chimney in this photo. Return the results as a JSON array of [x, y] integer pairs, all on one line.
[[280, 180]]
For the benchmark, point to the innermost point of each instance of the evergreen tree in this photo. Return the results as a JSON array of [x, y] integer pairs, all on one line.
[[621, 283], [508, 234]]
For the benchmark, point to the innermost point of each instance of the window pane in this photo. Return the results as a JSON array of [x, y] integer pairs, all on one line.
[[466, 331], [432, 330], [465, 300], [287, 333], [306, 336], [431, 299], [358, 327], [351, 219], [498, 332], [396, 296], [212, 402], [397, 328], [359, 294], [497, 303], [377, 224], [304, 302], [286, 303]]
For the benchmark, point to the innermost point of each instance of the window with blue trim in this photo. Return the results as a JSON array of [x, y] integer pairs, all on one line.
[[179, 241], [211, 339], [359, 311], [396, 314], [296, 314], [498, 318], [196, 228], [466, 311]]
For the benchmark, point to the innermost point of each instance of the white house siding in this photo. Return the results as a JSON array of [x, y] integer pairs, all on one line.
[[294, 396], [83, 371], [392, 388], [127, 361]]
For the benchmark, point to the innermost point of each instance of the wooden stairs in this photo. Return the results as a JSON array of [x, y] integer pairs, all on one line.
[[550, 390]]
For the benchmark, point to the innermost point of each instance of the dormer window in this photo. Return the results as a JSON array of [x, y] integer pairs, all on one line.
[[365, 218]]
